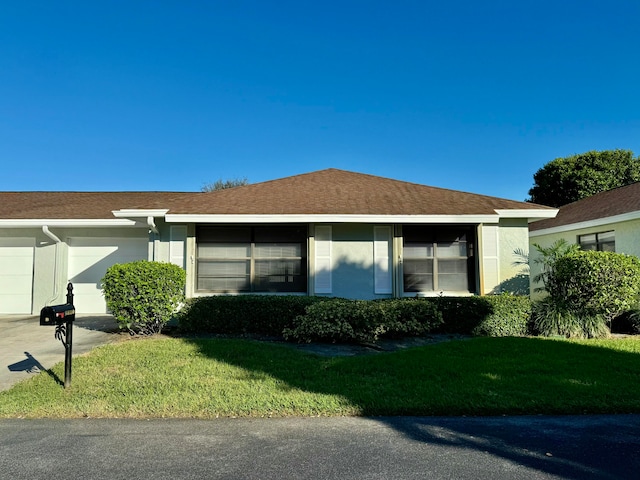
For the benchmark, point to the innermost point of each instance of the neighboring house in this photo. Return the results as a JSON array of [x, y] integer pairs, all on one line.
[[608, 221], [329, 232]]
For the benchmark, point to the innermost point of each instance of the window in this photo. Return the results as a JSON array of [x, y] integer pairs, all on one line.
[[438, 259], [603, 242], [252, 259]]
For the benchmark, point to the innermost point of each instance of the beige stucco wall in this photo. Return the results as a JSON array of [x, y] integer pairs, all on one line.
[[627, 238], [501, 249]]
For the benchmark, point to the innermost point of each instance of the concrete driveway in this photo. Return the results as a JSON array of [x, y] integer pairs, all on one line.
[[26, 347]]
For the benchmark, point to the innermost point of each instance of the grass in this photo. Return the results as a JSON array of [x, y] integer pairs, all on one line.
[[208, 378]]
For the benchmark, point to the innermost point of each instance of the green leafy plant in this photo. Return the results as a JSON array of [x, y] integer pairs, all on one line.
[[597, 283], [586, 290], [142, 295], [362, 321], [510, 316], [243, 314], [547, 258]]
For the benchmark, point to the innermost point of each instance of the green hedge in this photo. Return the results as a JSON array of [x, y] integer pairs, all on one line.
[[305, 319], [510, 316], [491, 315], [243, 314], [364, 321]]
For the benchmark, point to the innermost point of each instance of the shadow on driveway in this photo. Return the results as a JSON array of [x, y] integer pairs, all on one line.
[[27, 348]]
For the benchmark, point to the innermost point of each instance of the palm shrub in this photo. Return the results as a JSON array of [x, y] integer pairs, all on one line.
[[143, 295], [586, 290]]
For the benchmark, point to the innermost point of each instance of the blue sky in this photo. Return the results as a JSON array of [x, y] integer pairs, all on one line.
[[170, 95]]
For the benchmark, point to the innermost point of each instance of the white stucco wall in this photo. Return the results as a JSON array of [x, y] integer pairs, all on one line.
[[50, 265]]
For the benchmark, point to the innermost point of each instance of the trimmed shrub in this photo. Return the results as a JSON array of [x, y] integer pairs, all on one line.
[[510, 316], [409, 317], [243, 314], [362, 321], [142, 295], [461, 315], [597, 283], [492, 315]]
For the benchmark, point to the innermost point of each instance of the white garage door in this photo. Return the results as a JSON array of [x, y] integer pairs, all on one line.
[[89, 259], [16, 275]]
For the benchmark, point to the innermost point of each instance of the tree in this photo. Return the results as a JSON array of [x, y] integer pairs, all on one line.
[[566, 180], [224, 184]]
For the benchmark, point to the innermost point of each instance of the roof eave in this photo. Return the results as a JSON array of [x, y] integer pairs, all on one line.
[[597, 222], [66, 222], [327, 218], [531, 214]]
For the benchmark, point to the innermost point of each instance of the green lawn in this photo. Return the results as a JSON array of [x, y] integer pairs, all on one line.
[[205, 378]]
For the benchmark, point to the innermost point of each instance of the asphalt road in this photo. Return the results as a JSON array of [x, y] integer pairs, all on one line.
[[589, 447]]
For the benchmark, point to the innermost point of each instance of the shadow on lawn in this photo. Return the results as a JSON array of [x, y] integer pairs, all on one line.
[[582, 446]]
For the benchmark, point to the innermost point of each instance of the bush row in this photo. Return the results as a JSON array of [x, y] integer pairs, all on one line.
[[243, 314], [362, 321], [306, 319]]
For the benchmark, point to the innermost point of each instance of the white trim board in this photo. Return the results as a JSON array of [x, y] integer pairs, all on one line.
[[624, 217]]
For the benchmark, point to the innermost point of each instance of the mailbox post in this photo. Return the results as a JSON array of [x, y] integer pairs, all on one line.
[[62, 316]]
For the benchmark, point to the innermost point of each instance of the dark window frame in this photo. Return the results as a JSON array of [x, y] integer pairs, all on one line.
[[602, 241], [262, 274], [428, 237]]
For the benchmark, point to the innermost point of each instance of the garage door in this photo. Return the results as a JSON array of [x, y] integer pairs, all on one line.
[[89, 259], [16, 275]]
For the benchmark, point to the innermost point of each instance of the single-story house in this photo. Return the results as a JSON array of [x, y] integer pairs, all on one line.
[[330, 232], [607, 221]]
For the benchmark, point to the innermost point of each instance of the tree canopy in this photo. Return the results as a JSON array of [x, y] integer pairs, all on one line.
[[568, 179], [224, 184]]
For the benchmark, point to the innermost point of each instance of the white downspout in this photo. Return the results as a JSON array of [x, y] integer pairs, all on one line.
[[48, 233], [154, 229], [152, 225]]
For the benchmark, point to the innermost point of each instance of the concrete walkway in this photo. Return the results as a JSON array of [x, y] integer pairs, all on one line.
[[26, 347]]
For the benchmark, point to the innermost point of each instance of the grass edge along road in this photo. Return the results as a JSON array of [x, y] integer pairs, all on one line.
[[209, 377]]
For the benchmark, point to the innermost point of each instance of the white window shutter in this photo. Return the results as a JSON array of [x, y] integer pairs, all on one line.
[[323, 266], [490, 258], [177, 245], [382, 259]]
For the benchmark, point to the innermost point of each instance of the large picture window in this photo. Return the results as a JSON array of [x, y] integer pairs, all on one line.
[[252, 259], [438, 259]]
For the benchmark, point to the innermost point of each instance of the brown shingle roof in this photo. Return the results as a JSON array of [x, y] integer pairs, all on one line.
[[328, 191], [341, 192], [602, 205], [74, 205]]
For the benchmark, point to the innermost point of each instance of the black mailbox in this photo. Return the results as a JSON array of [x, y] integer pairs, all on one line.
[[57, 314]]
